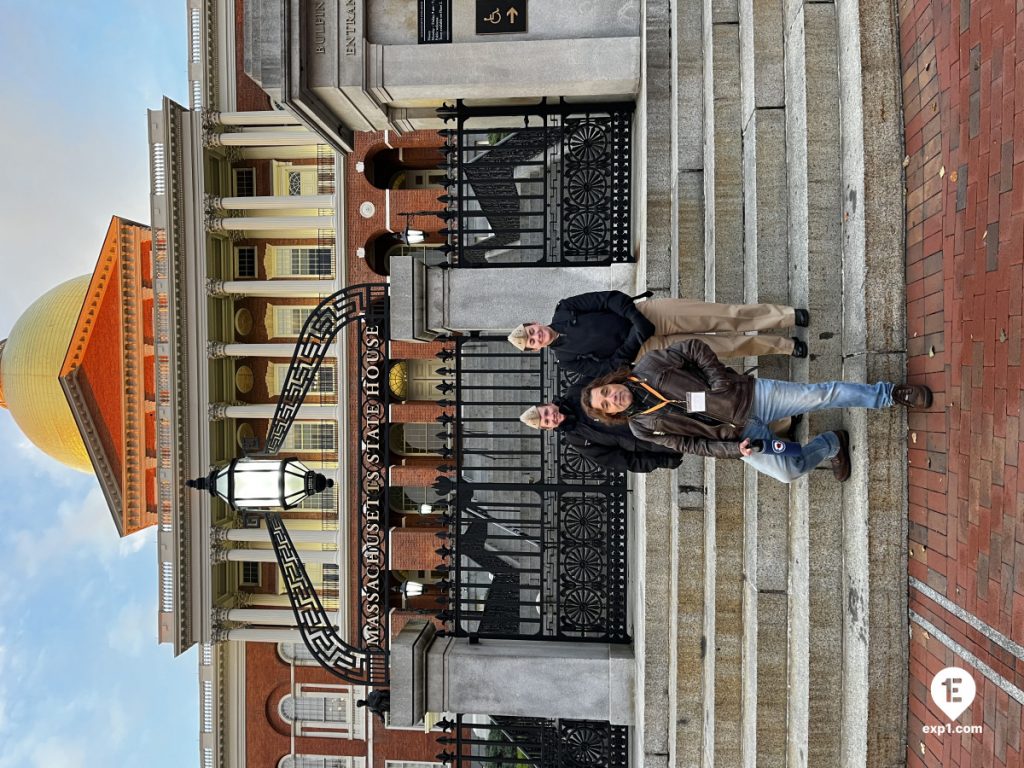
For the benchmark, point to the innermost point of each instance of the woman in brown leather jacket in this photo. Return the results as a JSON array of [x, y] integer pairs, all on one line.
[[684, 398]]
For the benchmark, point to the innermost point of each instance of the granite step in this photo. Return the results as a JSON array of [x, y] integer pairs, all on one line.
[[724, 281]]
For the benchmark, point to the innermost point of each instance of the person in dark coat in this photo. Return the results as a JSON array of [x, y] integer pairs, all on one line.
[[377, 702], [596, 333], [684, 398], [610, 446]]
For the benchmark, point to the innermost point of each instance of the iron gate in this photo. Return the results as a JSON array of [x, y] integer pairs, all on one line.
[[538, 185], [511, 742], [537, 533]]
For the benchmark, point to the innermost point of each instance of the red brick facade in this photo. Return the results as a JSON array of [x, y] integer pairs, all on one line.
[[964, 121]]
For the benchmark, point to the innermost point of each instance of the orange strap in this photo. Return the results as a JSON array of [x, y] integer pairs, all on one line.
[[664, 400]]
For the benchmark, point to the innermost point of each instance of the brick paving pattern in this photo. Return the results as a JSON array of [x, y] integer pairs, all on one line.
[[964, 121]]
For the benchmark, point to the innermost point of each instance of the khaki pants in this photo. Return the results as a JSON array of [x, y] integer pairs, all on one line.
[[720, 326]]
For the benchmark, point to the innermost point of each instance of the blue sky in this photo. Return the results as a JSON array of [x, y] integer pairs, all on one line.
[[82, 679]]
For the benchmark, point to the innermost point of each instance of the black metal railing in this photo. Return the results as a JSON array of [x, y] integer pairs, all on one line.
[[513, 742], [537, 185], [537, 533]]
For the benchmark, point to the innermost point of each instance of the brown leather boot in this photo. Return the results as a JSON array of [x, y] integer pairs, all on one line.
[[912, 396], [841, 461]]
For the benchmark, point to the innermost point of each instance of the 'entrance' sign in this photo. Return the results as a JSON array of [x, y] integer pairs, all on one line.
[[495, 17], [435, 21]]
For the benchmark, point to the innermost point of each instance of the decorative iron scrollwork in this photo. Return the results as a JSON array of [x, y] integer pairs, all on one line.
[[537, 742]]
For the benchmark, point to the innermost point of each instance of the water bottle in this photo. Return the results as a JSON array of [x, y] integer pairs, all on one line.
[[777, 447]]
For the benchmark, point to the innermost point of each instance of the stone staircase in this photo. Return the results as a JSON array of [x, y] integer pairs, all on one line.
[[771, 624]]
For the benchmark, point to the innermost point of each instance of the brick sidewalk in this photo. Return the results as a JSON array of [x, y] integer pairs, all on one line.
[[965, 279]]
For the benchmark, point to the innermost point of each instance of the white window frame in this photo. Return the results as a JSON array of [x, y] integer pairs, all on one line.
[[410, 764], [296, 261], [308, 437], [286, 324], [321, 761], [328, 372], [342, 699]]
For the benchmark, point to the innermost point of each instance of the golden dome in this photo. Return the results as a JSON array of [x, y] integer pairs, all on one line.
[[30, 364]]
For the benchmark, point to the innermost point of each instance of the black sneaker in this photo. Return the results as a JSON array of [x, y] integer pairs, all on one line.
[[841, 461], [803, 318], [799, 348], [912, 396]]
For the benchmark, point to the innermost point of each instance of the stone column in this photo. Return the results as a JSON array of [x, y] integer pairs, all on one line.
[[266, 117], [307, 412], [272, 202], [514, 678], [218, 349], [262, 138], [298, 536], [283, 288], [270, 223]]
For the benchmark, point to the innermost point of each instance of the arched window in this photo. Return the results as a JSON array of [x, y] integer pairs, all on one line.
[[326, 711]]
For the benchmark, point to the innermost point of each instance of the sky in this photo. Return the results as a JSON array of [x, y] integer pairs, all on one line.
[[83, 681]]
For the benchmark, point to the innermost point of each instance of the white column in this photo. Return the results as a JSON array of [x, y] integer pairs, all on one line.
[[273, 202], [271, 223], [265, 635], [295, 289], [307, 411], [268, 556], [272, 616], [265, 117], [219, 349], [264, 138], [299, 536]]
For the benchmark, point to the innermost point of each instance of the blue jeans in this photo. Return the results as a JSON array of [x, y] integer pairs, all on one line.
[[775, 399]]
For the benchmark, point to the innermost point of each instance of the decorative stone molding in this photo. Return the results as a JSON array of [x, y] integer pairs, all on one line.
[[216, 350], [211, 120], [214, 205], [218, 535], [215, 288], [220, 617], [219, 411], [218, 556], [242, 599]]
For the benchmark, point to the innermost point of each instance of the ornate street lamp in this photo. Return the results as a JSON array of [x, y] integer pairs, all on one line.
[[257, 485]]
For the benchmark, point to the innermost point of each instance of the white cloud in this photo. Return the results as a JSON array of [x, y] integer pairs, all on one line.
[[133, 630]]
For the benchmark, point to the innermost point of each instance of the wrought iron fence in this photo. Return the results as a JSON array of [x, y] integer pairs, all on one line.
[[537, 539], [539, 184], [513, 742]]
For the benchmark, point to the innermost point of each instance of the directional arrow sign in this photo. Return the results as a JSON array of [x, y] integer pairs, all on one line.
[[497, 17]]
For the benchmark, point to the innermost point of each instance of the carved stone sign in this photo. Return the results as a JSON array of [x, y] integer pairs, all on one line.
[[495, 17], [434, 21]]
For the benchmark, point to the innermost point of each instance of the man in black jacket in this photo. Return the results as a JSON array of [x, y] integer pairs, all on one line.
[[596, 333], [610, 446]]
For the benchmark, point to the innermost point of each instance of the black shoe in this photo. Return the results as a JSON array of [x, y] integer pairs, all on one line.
[[803, 318], [912, 396], [799, 348], [841, 461], [794, 422]]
